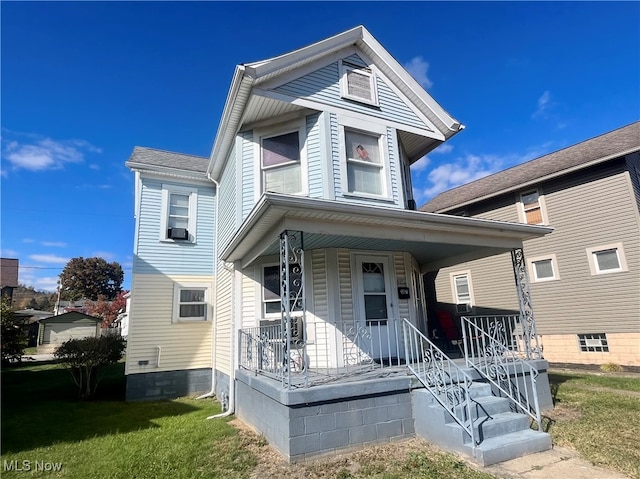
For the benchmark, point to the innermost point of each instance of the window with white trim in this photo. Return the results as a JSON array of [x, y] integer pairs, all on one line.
[[543, 268], [282, 159], [365, 163], [462, 292], [593, 343], [532, 208], [190, 302], [271, 303], [607, 259], [178, 218], [358, 83]]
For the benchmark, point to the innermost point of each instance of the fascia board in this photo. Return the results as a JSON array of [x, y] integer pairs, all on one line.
[[159, 173], [541, 179], [273, 65], [415, 220], [230, 121], [384, 56]]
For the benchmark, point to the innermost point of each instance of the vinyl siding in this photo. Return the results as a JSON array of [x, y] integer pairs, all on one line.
[[155, 256], [402, 277], [151, 326], [224, 294], [594, 207], [314, 157], [323, 86], [248, 173]]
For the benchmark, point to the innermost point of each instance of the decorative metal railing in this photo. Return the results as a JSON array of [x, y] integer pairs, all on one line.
[[491, 347], [448, 383], [315, 352]]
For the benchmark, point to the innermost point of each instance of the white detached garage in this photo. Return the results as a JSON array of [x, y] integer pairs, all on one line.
[[56, 330]]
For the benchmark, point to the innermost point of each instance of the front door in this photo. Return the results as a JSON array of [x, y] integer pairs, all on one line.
[[374, 307]]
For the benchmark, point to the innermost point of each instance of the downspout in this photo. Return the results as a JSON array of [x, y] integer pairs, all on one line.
[[215, 311]]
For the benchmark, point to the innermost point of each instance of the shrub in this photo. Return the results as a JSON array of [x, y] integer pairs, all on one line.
[[611, 368], [85, 358], [13, 334]]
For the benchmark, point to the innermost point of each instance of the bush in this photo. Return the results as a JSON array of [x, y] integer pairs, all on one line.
[[611, 368], [85, 358], [13, 334]]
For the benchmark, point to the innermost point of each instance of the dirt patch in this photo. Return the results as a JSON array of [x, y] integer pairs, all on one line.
[[564, 412], [363, 462]]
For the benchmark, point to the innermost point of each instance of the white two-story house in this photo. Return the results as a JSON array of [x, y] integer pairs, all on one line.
[[293, 257]]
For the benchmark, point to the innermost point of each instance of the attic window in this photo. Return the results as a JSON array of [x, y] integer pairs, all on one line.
[[358, 83]]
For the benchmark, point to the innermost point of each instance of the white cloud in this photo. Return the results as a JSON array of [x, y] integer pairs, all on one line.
[[9, 253], [544, 104], [443, 148], [48, 258], [28, 240], [46, 154], [421, 164], [418, 68], [55, 244], [48, 283]]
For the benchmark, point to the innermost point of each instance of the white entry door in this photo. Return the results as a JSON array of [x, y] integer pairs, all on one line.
[[374, 306]]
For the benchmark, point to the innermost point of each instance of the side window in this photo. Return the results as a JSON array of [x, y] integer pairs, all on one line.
[[462, 291], [543, 268], [190, 302], [271, 303], [358, 83], [532, 210], [607, 259], [282, 159], [178, 217]]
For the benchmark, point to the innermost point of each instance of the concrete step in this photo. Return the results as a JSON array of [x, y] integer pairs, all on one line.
[[486, 406], [509, 446], [500, 425]]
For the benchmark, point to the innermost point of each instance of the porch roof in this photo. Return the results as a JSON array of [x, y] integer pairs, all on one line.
[[435, 240]]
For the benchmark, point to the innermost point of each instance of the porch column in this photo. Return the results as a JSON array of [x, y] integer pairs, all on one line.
[[292, 296], [527, 320]]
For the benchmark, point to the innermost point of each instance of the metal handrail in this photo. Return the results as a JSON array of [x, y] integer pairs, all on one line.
[[445, 380], [489, 349]]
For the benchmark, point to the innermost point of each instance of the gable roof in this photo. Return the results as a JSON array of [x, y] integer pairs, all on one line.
[[161, 161], [249, 75], [71, 317], [602, 148]]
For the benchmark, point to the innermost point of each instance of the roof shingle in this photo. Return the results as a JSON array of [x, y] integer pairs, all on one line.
[[168, 159], [614, 143]]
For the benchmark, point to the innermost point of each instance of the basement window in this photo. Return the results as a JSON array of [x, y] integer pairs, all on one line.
[[593, 343]]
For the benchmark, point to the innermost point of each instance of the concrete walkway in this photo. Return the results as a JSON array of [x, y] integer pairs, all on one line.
[[27, 358], [557, 463]]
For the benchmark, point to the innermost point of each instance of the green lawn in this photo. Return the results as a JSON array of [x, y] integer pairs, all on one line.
[[599, 416], [108, 438]]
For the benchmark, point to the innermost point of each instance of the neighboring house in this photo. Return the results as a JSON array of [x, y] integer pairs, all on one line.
[[284, 273], [585, 276], [55, 330], [8, 277], [78, 306], [31, 318], [122, 321]]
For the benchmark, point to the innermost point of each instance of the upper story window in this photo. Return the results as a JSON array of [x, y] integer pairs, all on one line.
[[607, 259], [282, 160], [358, 83], [178, 217], [532, 208], [365, 169], [462, 292]]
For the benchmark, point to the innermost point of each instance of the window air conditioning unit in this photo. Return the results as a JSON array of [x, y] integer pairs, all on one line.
[[463, 308], [178, 233]]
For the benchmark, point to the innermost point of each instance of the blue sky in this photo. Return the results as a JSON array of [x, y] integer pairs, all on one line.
[[85, 82]]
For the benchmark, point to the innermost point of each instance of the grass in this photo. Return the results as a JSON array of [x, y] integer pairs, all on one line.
[[596, 414], [599, 416], [107, 437]]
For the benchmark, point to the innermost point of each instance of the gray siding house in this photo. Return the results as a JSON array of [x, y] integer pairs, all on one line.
[[284, 274], [585, 276]]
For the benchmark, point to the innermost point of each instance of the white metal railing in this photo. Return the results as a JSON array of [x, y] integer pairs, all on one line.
[[322, 351], [492, 347], [446, 381]]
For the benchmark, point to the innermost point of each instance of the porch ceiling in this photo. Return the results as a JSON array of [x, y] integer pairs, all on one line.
[[434, 240]]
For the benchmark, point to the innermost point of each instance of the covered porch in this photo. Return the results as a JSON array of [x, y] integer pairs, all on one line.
[[340, 322]]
